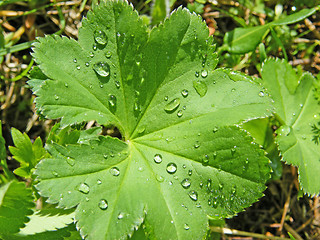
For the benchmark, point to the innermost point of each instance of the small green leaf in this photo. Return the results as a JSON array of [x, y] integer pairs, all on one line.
[[298, 111], [243, 40], [182, 157], [16, 202], [293, 18], [159, 10], [26, 153]]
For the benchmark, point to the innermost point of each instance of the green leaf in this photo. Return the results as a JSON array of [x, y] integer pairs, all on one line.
[[298, 111], [159, 10], [181, 158], [243, 40], [296, 17], [26, 153], [16, 202]]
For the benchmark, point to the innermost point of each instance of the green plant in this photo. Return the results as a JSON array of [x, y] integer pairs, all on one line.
[[184, 155]]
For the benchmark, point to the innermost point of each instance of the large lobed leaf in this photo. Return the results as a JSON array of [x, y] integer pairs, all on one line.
[[298, 112], [182, 159]]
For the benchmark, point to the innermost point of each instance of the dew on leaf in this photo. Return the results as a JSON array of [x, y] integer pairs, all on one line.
[[100, 37], [115, 171], [66, 85], [184, 166], [196, 144], [75, 60], [54, 173], [84, 188], [166, 98], [261, 94], [193, 195], [105, 156], [186, 183], [233, 150], [172, 105], [102, 69], [184, 93], [94, 47], [159, 178], [171, 168], [200, 87], [87, 199], [117, 83], [186, 226], [87, 64], [103, 204], [91, 54], [197, 74], [120, 215], [179, 113], [112, 100], [233, 89], [204, 73], [190, 172], [285, 130], [56, 97], [70, 161], [157, 158], [220, 186], [215, 129], [215, 154], [99, 181], [108, 54], [205, 160]]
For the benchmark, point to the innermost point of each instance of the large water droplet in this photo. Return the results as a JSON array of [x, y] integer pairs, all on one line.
[[184, 93], [103, 204], [70, 161], [100, 37], [200, 87], [84, 188], [102, 69], [172, 105], [171, 168], [157, 158], [193, 195], [186, 183], [115, 171]]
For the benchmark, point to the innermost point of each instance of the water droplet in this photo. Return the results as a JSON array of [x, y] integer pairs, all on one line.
[[214, 154], [70, 161], [157, 158], [190, 172], [205, 160], [91, 54], [66, 85], [179, 113], [233, 89], [196, 144], [261, 94], [186, 183], [120, 215], [184, 93], [54, 173], [197, 74], [108, 54], [193, 195], [56, 97], [115, 171], [200, 87], [78, 67], [112, 100], [172, 105], [284, 130], [170, 183], [100, 37], [102, 69], [159, 178], [117, 83], [99, 181], [220, 186], [171, 168], [141, 129], [84, 188], [204, 73], [215, 129], [75, 60], [166, 98], [118, 34], [186, 226], [233, 150], [201, 184], [103, 204]]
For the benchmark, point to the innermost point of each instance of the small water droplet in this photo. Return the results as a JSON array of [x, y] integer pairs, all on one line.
[[91, 54], [70, 161], [184, 93], [186, 183], [180, 113], [196, 144], [215, 129], [233, 150], [117, 83], [84, 188], [75, 60], [193, 195], [204, 73], [115, 171], [87, 64], [186, 226], [118, 34], [261, 94], [100, 37], [108, 54], [166, 98], [171, 168], [99, 181], [205, 160], [94, 47], [102, 69], [103, 204], [190, 172], [120, 215], [159, 178], [56, 97], [200, 87], [220, 186], [201, 184], [112, 100], [233, 89], [66, 85], [184, 166], [214, 154], [157, 158], [54, 173], [172, 105], [285, 130], [197, 74]]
